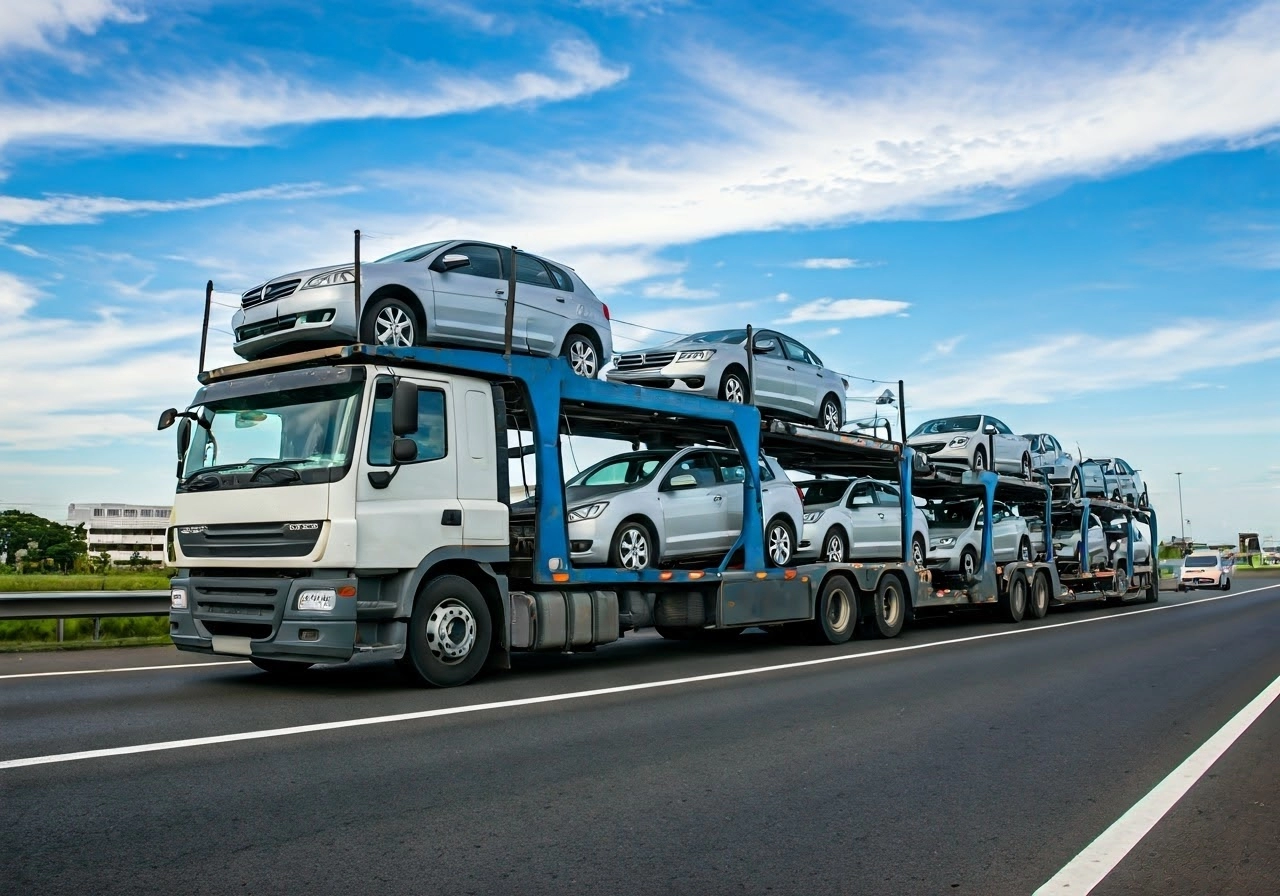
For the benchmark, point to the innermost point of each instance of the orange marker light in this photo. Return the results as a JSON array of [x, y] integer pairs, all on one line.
[[559, 577], [347, 591]]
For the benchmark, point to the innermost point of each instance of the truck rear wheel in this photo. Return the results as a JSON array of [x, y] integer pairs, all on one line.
[[837, 611], [1038, 605], [1013, 599], [888, 607], [449, 633]]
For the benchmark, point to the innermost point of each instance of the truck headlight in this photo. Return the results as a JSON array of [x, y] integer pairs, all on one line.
[[813, 516], [177, 598], [317, 599], [702, 354], [332, 278], [587, 511]]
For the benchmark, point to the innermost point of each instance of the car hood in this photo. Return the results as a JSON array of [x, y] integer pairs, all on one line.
[[936, 531], [686, 345], [578, 494], [938, 437]]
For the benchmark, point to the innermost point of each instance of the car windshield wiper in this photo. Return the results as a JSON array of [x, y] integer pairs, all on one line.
[[209, 471], [285, 465]]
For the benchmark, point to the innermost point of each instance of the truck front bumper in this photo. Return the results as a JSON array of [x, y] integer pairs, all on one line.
[[258, 617]]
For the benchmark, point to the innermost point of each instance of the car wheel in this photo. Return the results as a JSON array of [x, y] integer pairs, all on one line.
[[1024, 550], [449, 633], [1038, 604], [918, 551], [633, 547], [829, 416], [836, 611], [835, 549], [968, 563], [1077, 486], [1143, 500], [1013, 599], [979, 459], [582, 354], [779, 542], [1226, 584], [888, 607], [393, 322], [1026, 467], [733, 388], [1116, 496]]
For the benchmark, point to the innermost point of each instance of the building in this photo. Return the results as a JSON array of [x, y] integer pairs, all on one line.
[[123, 529]]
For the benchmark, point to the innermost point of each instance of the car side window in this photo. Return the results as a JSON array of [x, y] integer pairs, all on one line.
[[485, 261], [767, 345], [731, 468], [885, 496], [861, 495], [701, 465], [563, 280], [1000, 427], [766, 475], [796, 352], [431, 434], [532, 271]]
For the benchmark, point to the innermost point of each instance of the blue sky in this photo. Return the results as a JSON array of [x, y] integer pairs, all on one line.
[[1069, 219]]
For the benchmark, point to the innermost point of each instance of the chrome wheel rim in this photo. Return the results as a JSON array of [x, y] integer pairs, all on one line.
[[917, 552], [779, 545], [968, 564], [633, 549], [393, 326], [734, 391], [451, 632], [830, 416], [582, 358], [835, 549]]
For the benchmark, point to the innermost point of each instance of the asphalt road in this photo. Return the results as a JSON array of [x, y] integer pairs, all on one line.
[[964, 757]]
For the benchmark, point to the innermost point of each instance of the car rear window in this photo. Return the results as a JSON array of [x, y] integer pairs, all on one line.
[[1201, 560]]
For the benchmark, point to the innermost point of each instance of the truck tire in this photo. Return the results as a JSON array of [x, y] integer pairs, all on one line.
[[836, 612], [1038, 601], [888, 609], [1013, 598], [449, 633], [287, 669], [1153, 588], [392, 321]]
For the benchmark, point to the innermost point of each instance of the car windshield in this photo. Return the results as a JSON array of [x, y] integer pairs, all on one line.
[[948, 425], [308, 431], [413, 254], [827, 491], [951, 513], [730, 337], [1201, 560], [626, 469]]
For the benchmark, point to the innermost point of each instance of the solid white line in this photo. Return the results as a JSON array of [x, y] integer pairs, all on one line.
[[1088, 869], [575, 695], [126, 669]]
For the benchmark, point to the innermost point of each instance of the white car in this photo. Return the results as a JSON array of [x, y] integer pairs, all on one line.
[[965, 441], [1050, 458], [857, 519], [452, 292], [1205, 569], [1066, 540], [955, 540], [645, 508], [1114, 479]]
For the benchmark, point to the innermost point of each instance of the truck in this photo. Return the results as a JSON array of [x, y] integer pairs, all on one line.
[[356, 501]]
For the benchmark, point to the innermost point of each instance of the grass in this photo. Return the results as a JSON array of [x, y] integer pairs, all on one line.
[[45, 646], [112, 581]]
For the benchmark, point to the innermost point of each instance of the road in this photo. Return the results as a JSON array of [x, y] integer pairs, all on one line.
[[964, 757]]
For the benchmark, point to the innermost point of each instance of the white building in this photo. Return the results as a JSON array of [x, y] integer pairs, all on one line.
[[122, 529]]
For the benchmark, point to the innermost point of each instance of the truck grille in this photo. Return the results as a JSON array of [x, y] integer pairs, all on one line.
[[641, 360], [239, 607], [287, 539], [269, 292]]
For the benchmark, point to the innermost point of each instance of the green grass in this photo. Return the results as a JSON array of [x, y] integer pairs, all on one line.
[[112, 581], [45, 646], [41, 631]]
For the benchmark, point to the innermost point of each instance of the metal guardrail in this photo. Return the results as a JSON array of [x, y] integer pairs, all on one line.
[[82, 604]]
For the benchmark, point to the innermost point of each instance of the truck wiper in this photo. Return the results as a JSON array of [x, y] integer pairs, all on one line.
[[206, 471], [285, 465]]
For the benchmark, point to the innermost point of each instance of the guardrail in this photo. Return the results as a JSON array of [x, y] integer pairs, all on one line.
[[93, 605]]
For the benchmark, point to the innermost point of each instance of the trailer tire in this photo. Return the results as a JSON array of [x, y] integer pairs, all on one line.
[[1013, 598], [1038, 602], [836, 613], [283, 669], [888, 609], [1226, 583], [449, 633], [1153, 588]]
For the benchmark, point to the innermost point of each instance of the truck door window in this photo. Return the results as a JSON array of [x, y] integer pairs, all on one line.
[[430, 435]]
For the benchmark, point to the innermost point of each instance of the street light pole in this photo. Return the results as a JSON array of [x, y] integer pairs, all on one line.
[[1181, 515]]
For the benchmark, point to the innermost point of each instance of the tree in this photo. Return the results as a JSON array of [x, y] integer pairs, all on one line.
[[102, 562], [42, 540]]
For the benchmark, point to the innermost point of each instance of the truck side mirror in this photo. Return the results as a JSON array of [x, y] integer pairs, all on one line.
[[167, 417], [404, 408], [404, 451]]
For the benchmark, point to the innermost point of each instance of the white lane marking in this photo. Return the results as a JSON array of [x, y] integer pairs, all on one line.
[[1087, 870], [559, 698], [126, 669]]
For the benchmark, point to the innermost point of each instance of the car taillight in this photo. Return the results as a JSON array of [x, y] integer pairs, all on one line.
[[800, 492], [606, 310]]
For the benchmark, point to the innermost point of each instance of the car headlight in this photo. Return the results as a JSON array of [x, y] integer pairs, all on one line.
[[958, 442], [944, 542], [587, 511], [813, 516], [702, 354], [178, 599], [321, 599], [1114, 545], [332, 278]]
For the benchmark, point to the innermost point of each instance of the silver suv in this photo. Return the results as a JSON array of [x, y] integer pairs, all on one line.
[[643, 508], [451, 292]]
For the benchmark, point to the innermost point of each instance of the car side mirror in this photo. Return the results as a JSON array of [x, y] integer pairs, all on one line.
[[447, 263], [682, 481], [989, 429], [763, 346]]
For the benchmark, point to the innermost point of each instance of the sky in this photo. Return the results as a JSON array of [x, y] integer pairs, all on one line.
[[1067, 216]]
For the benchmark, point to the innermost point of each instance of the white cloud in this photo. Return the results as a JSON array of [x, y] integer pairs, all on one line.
[[946, 346], [34, 24], [843, 309], [676, 289], [833, 264]]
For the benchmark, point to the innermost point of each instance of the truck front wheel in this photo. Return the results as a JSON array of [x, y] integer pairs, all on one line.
[[449, 633]]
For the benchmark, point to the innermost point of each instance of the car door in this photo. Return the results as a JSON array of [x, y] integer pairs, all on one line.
[[540, 304], [889, 512], [772, 386], [1004, 532], [806, 376], [471, 301], [695, 518], [866, 518], [1127, 480], [1008, 446]]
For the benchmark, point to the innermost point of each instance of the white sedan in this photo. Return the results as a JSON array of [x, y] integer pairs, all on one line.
[[955, 541]]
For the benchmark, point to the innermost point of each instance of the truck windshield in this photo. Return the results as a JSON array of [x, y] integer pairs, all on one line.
[[277, 438]]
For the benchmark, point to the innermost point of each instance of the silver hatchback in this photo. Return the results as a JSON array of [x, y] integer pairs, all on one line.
[[789, 379], [645, 508], [452, 292]]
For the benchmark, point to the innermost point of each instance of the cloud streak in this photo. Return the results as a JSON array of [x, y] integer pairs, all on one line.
[[38, 24], [844, 309]]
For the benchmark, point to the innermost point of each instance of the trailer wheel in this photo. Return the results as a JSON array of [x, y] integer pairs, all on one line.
[[1226, 583], [835, 549], [449, 633], [1153, 588], [888, 607], [285, 669], [837, 611], [1013, 598], [779, 542], [1038, 605]]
